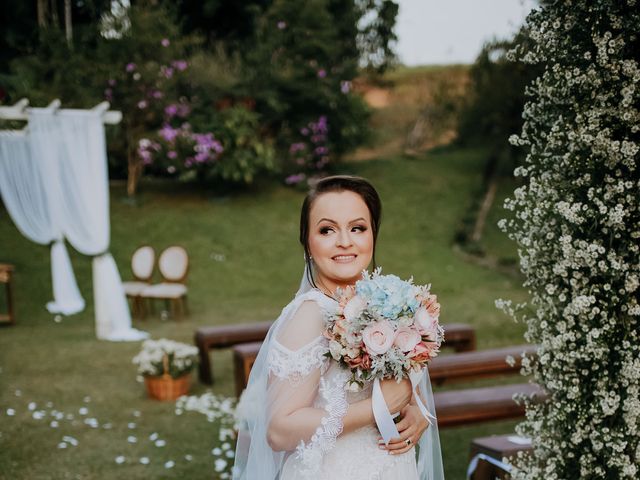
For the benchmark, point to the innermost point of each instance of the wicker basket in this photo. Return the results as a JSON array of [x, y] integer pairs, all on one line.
[[166, 388]]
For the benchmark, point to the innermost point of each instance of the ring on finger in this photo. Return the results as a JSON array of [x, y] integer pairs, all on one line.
[[408, 442]]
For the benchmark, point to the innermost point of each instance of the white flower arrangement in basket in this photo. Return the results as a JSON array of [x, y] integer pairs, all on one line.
[[165, 365]]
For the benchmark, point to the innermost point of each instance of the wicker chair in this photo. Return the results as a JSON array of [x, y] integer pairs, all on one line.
[[142, 262], [174, 267]]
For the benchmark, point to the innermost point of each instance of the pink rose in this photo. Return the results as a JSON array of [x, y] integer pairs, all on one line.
[[354, 308], [406, 339], [378, 337], [427, 323]]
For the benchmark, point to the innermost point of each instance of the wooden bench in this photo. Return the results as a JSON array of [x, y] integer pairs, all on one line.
[[225, 336], [474, 405], [498, 447], [460, 337], [478, 364]]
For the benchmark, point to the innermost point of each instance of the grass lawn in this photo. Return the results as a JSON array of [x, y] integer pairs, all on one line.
[[245, 266]]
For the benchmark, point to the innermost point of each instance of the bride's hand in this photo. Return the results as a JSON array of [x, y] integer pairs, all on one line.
[[396, 395], [411, 427]]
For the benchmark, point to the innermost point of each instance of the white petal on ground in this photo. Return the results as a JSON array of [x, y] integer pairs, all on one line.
[[107, 426], [132, 439], [188, 457], [70, 440], [54, 424], [18, 393], [136, 413], [10, 412], [230, 453], [83, 411], [220, 465], [86, 399], [153, 436], [169, 464], [144, 460], [32, 406], [131, 425], [62, 445], [216, 451], [120, 459], [160, 443]]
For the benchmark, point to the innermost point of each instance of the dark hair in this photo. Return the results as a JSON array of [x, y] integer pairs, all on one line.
[[340, 183]]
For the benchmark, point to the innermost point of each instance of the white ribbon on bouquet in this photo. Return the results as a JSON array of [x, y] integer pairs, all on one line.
[[384, 419]]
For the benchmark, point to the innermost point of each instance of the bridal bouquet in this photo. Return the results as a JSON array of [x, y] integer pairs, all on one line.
[[384, 327]]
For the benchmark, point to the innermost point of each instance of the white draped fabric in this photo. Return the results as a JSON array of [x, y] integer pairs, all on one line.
[[67, 149], [26, 198]]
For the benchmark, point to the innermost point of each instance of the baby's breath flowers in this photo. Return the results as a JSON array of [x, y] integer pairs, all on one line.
[[576, 221]]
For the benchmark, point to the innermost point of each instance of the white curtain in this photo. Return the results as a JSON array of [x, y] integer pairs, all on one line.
[[24, 195], [72, 148]]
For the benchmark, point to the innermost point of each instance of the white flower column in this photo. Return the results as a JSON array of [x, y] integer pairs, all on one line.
[[576, 221]]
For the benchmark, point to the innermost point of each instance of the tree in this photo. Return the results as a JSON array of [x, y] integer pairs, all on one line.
[[577, 225]]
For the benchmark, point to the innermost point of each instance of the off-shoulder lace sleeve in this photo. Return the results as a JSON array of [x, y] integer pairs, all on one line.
[[310, 402], [299, 347]]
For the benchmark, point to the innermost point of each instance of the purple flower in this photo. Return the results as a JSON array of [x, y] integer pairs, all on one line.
[[171, 110], [167, 72], [112, 82], [130, 67], [321, 150], [171, 154], [296, 147], [142, 104], [345, 86], [180, 65], [322, 73], [183, 110], [168, 133], [304, 131], [108, 94], [201, 157], [145, 155], [165, 42], [157, 94], [282, 25], [188, 162], [295, 178]]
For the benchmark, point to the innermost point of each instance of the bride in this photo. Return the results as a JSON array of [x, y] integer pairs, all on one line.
[[297, 419]]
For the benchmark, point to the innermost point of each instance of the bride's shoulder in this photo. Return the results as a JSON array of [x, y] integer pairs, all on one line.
[[324, 303]]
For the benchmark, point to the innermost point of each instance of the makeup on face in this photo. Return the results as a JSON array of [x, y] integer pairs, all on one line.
[[340, 238]]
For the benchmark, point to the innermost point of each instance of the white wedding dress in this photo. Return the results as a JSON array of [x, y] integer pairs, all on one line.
[[354, 455], [294, 383]]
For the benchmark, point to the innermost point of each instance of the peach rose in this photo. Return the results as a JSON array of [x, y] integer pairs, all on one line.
[[432, 305], [346, 294], [422, 352], [340, 327], [406, 339], [378, 337], [426, 322], [363, 361]]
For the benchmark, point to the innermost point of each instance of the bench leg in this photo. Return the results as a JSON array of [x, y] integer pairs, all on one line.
[[204, 365]]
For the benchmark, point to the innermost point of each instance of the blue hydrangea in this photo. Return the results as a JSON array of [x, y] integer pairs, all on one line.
[[387, 295]]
